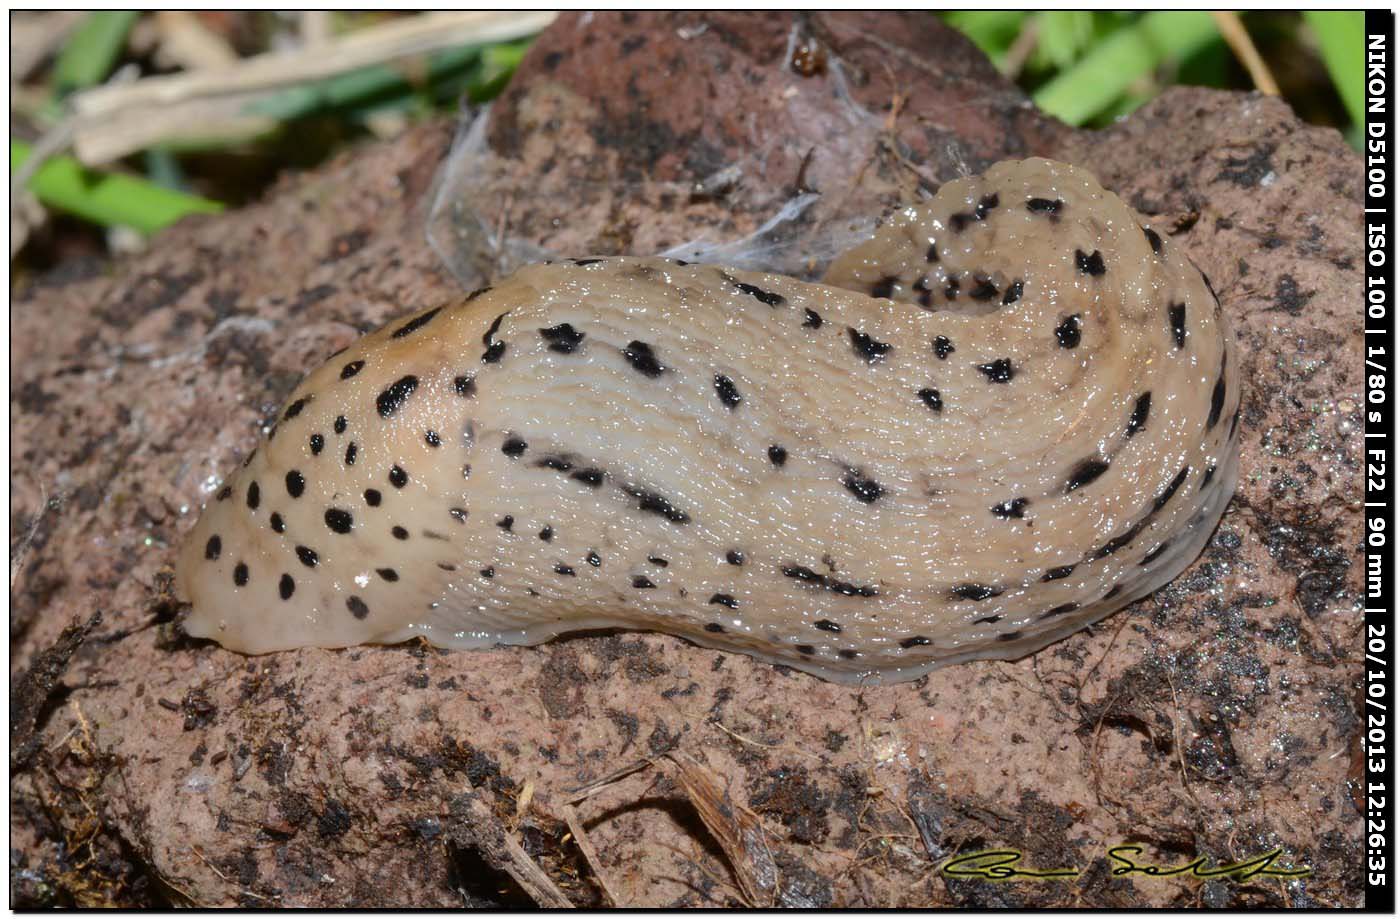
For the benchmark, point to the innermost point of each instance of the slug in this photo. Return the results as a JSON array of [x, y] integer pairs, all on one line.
[[1008, 414]]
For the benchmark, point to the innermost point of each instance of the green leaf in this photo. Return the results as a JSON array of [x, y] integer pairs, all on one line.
[[1062, 35], [1111, 66], [105, 199], [92, 50], [992, 31], [1341, 36]]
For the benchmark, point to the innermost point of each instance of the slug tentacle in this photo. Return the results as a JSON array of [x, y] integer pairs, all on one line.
[[1005, 416]]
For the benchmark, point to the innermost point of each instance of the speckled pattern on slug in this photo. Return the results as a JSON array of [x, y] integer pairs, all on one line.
[[1051, 486]]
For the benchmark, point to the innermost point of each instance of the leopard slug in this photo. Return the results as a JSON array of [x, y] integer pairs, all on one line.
[[1009, 413]]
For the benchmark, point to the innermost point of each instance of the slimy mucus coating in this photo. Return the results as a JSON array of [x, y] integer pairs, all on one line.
[[1010, 413]]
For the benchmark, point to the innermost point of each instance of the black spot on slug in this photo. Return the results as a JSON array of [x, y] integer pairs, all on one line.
[[806, 650], [464, 385], [594, 559], [373, 497], [399, 532], [942, 347], [388, 574], [488, 572], [1152, 556], [308, 556], [1176, 312], [931, 255], [658, 561], [1086, 471], [224, 493], [826, 625], [972, 591], [213, 547], [340, 424], [514, 447], [987, 620], [352, 450], [1118, 542], [777, 455], [255, 494], [1139, 417], [1013, 509], [1009, 636], [725, 600], [240, 574], [286, 587], [734, 557], [506, 522], [295, 408], [845, 588], [296, 484], [1153, 239], [590, 477], [493, 353], [1044, 205], [562, 338], [392, 398], [984, 291], [643, 360], [1210, 474], [339, 521], [547, 534], [1067, 332], [357, 607], [932, 399], [1059, 610], [1091, 264], [713, 627], [397, 477], [999, 370], [867, 491], [1161, 500], [432, 439], [727, 391], [761, 295], [813, 320], [557, 463], [1013, 293], [278, 524], [1055, 574], [413, 325], [566, 570], [1217, 400], [642, 583], [883, 289], [318, 443], [350, 369], [652, 503], [914, 641], [867, 347]]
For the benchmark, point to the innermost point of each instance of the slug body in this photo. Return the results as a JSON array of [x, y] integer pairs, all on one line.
[[1010, 413]]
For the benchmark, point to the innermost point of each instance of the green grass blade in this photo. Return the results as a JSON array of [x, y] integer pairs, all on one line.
[[1111, 66], [93, 49], [1341, 36], [108, 200]]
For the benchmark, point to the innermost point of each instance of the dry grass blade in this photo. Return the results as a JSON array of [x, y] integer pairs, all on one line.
[[737, 830], [476, 827], [590, 854]]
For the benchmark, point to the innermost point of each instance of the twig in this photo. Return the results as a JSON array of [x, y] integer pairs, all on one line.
[[590, 854], [1233, 31]]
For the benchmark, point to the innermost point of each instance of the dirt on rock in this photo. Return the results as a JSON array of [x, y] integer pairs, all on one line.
[[1214, 718]]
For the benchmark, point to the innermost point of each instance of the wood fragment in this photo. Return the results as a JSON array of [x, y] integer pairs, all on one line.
[[590, 855], [476, 827]]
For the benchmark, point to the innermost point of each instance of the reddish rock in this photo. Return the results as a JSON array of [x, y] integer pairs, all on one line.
[[1212, 718]]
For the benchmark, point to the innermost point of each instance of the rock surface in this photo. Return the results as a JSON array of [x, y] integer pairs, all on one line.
[[1215, 718]]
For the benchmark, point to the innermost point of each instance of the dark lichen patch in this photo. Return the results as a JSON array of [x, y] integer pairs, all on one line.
[[726, 390], [643, 359], [1085, 472], [999, 370], [868, 348], [1138, 419], [393, 398], [1176, 315], [1067, 333], [562, 338], [1091, 264], [762, 296], [942, 347], [931, 398], [1015, 509], [974, 591], [866, 490], [416, 323]]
